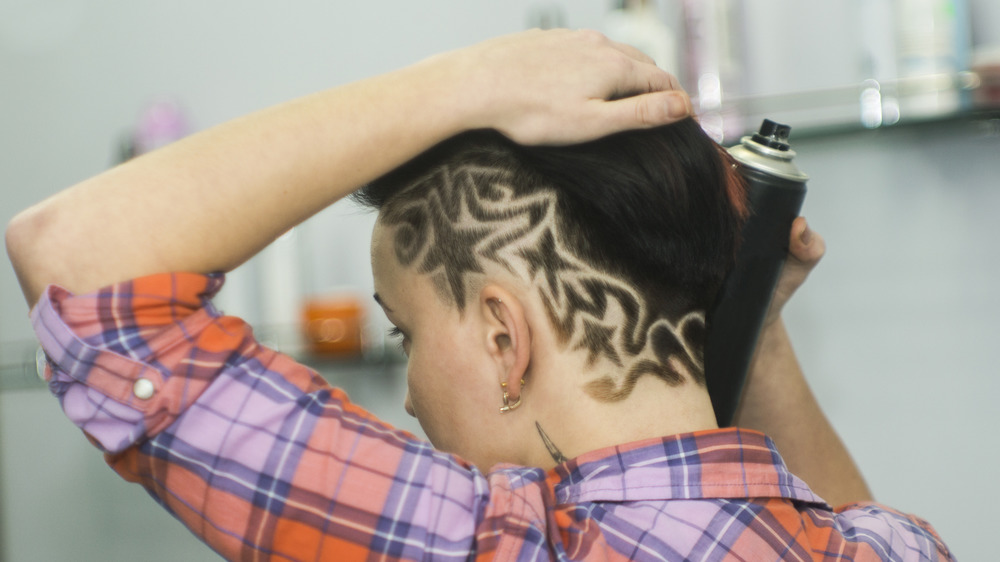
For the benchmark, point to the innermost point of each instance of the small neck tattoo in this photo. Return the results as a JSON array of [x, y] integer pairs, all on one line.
[[553, 450]]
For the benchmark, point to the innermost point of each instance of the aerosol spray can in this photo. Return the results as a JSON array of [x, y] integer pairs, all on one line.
[[776, 191]]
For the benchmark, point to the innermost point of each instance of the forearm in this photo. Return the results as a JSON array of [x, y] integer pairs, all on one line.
[[200, 363], [211, 201], [777, 400]]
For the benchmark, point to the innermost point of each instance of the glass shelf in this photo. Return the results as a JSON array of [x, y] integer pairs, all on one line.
[[19, 371], [869, 104], [17, 366]]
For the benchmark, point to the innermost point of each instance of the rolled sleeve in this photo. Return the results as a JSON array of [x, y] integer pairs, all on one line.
[[252, 451], [891, 534], [125, 360]]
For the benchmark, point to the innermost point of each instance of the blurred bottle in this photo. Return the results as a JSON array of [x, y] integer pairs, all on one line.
[[986, 66], [879, 99], [932, 47], [639, 23], [160, 123], [546, 16], [333, 325], [713, 38], [278, 274]]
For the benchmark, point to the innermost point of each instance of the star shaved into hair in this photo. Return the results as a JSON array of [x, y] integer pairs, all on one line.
[[470, 216]]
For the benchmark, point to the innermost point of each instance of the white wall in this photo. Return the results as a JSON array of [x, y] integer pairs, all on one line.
[[894, 329], [75, 76], [77, 73], [897, 328]]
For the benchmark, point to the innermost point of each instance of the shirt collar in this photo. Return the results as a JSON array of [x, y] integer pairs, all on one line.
[[726, 463]]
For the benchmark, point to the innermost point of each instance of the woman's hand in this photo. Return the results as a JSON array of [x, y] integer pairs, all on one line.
[[805, 250], [212, 200], [777, 399], [563, 87]]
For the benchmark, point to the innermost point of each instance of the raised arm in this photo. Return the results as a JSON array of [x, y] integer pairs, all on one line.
[[778, 401], [213, 200]]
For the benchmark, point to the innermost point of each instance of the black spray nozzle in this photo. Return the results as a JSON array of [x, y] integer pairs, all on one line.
[[773, 135]]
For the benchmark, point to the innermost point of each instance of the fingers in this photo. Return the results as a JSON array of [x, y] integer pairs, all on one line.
[[659, 79], [646, 110], [633, 52], [804, 245], [645, 76], [805, 250], [642, 111], [642, 108], [570, 87]]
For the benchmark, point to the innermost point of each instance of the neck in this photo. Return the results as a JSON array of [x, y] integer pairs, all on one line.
[[570, 422]]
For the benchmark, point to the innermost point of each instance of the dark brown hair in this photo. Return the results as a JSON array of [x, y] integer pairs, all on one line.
[[658, 210]]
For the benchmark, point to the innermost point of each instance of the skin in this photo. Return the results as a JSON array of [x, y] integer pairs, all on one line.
[[214, 199], [458, 362], [777, 399], [211, 201], [455, 395], [471, 217]]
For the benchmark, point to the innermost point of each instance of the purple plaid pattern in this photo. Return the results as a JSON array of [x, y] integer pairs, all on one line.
[[259, 457]]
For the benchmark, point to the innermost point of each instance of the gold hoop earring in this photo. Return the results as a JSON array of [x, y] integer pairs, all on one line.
[[507, 406]]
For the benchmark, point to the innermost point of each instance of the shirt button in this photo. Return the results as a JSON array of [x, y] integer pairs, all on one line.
[[143, 389], [41, 360]]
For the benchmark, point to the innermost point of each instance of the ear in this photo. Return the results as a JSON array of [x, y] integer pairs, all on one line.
[[508, 336]]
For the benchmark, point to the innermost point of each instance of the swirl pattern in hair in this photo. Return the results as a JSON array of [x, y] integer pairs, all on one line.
[[468, 216]]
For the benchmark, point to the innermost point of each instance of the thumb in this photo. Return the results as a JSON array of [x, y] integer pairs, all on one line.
[[805, 247], [805, 250], [648, 110]]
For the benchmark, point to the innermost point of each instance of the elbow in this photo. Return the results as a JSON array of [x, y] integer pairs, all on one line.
[[24, 238]]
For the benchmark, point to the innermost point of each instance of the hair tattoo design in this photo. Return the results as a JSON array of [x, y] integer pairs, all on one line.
[[470, 215]]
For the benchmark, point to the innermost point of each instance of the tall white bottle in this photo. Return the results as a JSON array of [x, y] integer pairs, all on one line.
[[639, 23]]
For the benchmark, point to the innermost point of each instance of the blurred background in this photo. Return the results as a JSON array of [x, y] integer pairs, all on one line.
[[895, 114]]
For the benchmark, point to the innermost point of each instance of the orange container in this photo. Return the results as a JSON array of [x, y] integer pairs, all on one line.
[[334, 325]]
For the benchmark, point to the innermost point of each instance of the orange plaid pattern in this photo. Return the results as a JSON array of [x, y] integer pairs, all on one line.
[[259, 457]]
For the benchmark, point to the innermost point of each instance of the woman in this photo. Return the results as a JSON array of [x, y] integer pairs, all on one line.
[[503, 296]]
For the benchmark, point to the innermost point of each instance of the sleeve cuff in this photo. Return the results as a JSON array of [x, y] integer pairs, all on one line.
[[116, 399]]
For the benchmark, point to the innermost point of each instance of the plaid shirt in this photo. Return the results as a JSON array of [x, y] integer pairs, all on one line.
[[262, 459]]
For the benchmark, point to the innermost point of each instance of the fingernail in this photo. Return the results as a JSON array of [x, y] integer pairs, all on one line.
[[806, 236], [677, 106]]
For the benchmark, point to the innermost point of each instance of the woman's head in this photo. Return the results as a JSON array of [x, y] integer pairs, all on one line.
[[608, 252]]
